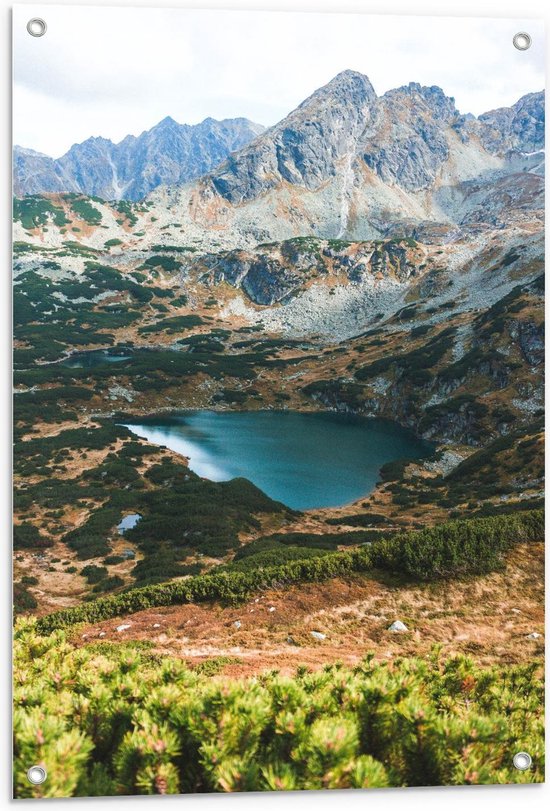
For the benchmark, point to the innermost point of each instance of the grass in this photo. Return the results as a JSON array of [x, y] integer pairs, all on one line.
[[456, 548]]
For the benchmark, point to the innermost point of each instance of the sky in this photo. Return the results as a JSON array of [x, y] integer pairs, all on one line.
[[116, 71]]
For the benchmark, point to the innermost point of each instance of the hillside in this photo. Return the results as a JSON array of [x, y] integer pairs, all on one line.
[[433, 321], [275, 629]]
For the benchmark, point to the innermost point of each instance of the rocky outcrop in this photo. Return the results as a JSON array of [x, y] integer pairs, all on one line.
[[272, 272], [530, 337], [416, 119], [519, 127]]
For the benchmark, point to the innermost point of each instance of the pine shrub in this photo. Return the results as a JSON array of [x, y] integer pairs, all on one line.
[[116, 719], [455, 548]]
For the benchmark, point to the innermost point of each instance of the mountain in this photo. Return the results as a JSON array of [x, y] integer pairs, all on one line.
[[168, 153], [349, 163], [306, 147], [345, 164], [518, 127]]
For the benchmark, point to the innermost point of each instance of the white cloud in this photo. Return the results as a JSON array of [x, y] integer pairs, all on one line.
[[114, 71]]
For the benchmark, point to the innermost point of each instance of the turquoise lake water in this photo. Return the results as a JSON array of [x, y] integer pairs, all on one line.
[[305, 460]]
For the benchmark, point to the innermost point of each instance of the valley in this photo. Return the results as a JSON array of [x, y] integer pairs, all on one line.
[[104, 338], [283, 396]]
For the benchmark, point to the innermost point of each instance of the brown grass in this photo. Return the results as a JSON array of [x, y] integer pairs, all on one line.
[[488, 618]]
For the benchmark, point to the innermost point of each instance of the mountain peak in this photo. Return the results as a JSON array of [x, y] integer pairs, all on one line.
[[350, 75], [21, 150], [167, 123], [91, 146], [168, 153], [351, 85]]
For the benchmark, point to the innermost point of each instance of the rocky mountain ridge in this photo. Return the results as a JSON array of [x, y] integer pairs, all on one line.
[[347, 163], [403, 136], [168, 153]]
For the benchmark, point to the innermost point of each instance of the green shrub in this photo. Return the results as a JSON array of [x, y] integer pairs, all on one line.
[[111, 719], [23, 600], [34, 211], [167, 263], [456, 548], [27, 536], [93, 574]]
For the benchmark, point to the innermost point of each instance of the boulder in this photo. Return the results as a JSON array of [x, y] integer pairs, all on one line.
[[398, 626]]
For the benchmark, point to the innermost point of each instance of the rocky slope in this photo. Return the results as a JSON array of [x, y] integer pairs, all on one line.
[[166, 154], [347, 163]]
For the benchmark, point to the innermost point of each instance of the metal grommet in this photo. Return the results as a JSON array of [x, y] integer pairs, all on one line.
[[522, 41], [36, 775], [522, 761], [37, 27]]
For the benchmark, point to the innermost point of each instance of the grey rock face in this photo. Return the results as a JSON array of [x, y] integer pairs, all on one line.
[[519, 127], [264, 279], [404, 137], [530, 337], [273, 272], [306, 147], [415, 119], [35, 173], [169, 153]]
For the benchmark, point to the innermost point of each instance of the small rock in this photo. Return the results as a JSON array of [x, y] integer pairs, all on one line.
[[398, 626], [318, 635], [120, 628], [271, 609], [156, 625], [237, 623], [290, 641], [515, 611], [101, 633], [534, 635]]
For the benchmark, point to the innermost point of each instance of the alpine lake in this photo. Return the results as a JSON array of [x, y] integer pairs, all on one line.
[[305, 460]]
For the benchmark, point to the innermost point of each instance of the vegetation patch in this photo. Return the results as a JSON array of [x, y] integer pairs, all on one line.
[[410, 722], [456, 548]]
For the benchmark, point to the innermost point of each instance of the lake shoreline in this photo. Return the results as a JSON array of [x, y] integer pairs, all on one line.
[[284, 452]]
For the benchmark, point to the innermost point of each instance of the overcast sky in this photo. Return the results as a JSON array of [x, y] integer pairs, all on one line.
[[114, 71]]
